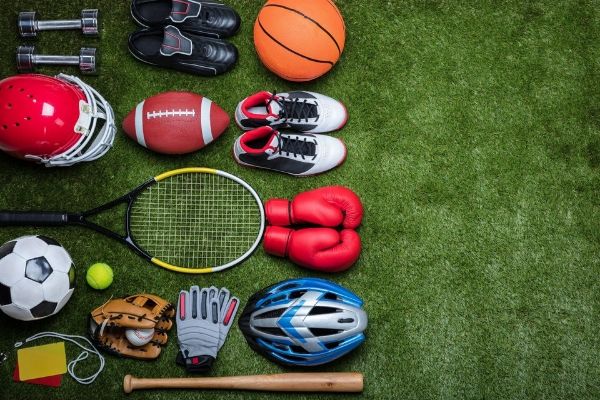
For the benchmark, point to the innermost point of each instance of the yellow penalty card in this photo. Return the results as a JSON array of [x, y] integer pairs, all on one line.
[[41, 361]]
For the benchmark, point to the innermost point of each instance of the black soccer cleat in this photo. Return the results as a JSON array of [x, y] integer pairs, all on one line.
[[168, 47], [298, 154], [202, 17]]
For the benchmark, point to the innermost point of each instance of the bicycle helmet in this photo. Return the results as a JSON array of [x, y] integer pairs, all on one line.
[[304, 322]]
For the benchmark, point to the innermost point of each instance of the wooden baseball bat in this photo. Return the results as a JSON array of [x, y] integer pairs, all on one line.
[[348, 382]]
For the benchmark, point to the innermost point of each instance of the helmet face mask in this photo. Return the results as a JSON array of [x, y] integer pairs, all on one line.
[[55, 121], [304, 322]]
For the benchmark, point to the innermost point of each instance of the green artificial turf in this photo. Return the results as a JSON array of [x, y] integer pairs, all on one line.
[[474, 143]]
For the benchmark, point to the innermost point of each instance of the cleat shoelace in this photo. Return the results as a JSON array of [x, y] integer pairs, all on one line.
[[295, 109]]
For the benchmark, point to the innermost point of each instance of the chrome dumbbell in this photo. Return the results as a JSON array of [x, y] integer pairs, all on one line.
[[30, 24], [87, 60]]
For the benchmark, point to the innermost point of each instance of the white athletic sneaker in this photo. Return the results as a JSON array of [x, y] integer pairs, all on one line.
[[301, 111], [298, 154]]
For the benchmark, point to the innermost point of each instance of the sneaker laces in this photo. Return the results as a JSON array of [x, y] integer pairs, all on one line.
[[296, 146], [295, 108]]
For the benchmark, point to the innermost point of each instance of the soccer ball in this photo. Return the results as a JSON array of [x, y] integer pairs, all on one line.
[[37, 277]]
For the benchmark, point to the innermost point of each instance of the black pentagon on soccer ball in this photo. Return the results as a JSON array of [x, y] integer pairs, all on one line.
[[7, 248], [5, 295], [38, 269], [48, 240], [43, 309]]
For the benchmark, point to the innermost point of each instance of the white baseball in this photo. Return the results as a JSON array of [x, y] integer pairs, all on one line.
[[139, 337]]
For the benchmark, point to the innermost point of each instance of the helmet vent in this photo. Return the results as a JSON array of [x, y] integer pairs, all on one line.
[[288, 286], [271, 314], [330, 296], [298, 349], [270, 330], [297, 294], [324, 331], [318, 310], [273, 300], [331, 345], [345, 320], [294, 359]]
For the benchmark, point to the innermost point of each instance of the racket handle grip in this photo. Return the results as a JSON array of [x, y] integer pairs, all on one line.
[[32, 218]]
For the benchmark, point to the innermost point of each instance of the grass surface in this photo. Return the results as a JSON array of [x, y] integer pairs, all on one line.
[[474, 143]]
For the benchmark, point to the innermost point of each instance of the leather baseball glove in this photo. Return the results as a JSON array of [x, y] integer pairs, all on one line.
[[109, 322]]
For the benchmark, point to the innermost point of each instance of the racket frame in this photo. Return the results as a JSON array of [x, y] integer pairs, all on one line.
[[10, 218]]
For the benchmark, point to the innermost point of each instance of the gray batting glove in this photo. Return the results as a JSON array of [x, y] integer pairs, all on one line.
[[198, 328]]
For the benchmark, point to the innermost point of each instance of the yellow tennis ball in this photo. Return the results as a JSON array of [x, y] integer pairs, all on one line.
[[99, 276]]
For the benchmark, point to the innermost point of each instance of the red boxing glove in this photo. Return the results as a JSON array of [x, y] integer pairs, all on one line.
[[321, 249], [327, 206]]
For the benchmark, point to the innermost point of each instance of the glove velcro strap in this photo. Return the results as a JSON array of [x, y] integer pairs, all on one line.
[[195, 364]]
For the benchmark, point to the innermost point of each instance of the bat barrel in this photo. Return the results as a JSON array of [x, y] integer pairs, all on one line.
[[346, 382]]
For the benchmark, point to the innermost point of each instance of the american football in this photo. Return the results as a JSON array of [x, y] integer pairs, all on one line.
[[175, 122]]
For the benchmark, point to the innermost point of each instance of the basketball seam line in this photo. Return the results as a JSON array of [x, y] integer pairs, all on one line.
[[290, 50], [310, 19]]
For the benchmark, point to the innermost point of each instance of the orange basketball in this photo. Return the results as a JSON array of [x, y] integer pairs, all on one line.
[[299, 40]]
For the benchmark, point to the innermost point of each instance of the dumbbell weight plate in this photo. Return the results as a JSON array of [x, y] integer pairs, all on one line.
[[26, 23], [90, 22], [88, 60], [25, 58]]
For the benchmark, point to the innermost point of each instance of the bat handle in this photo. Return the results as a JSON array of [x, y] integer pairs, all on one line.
[[346, 382]]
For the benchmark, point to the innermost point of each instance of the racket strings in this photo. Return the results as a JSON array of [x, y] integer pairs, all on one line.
[[196, 220]]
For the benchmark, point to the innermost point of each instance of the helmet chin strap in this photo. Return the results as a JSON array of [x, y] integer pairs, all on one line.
[[90, 145]]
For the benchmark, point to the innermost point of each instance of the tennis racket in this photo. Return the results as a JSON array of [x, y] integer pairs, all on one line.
[[191, 220]]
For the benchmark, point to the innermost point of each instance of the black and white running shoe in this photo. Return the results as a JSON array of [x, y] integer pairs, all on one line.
[[202, 17], [168, 47], [298, 154], [301, 111]]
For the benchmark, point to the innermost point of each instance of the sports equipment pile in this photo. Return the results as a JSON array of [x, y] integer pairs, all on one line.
[[195, 220]]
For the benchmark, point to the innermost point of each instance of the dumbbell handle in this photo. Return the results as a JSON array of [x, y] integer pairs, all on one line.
[[54, 60], [58, 24]]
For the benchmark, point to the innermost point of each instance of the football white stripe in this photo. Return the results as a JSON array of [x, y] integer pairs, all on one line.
[[205, 126], [139, 123]]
